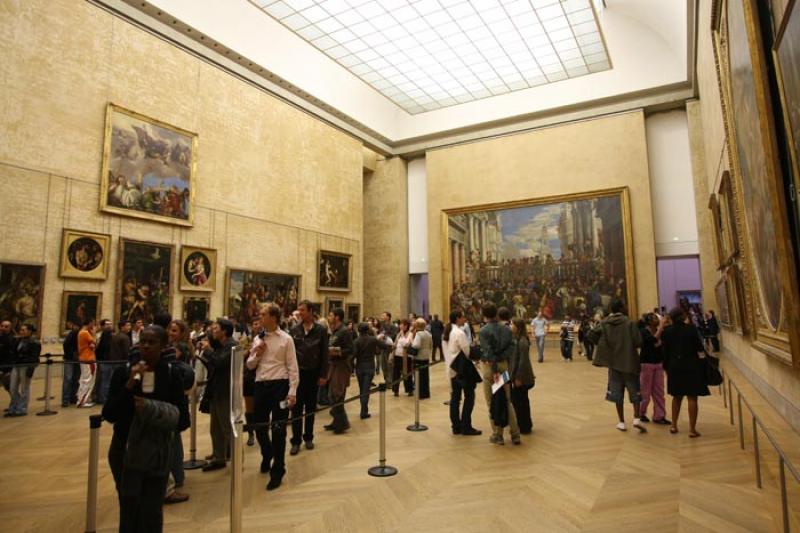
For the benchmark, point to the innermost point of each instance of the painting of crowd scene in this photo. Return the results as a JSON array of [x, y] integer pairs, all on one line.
[[563, 258], [147, 168], [248, 291], [145, 280]]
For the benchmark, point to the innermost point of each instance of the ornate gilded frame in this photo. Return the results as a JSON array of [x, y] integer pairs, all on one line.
[[64, 298], [188, 299], [348, 312], [622, 192], [230, 270], [349, 258], [121, 273], [334, 300], [66, 270], [110, 110], [211, 283], [783, 342], [42, 270]]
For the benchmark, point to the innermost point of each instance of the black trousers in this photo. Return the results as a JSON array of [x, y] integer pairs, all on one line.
[[461, 419], [589, 347], [141, 497], [397, 372], [365, 377], [522, 407], [437, 345], [566, 349], [424, 378], [269, 394], [307, 392]]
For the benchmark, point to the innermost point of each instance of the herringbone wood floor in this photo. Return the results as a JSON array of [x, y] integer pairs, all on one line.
[[575, 473]]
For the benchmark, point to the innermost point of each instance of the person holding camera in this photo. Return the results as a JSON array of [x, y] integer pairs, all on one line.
[[274, 359], [340, 352]]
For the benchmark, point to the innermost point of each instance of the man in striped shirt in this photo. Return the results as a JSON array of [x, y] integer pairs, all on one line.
[[567, 338]]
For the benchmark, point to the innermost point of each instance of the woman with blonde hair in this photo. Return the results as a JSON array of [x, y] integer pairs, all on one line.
[[400, 360], [421, 350]]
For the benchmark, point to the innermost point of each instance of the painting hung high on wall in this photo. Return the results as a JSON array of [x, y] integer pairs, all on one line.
[[247, 291], [144, 285], [84, 255], [198, 269], [353, 313], [334, 271], [750, 128], [21, 289], [561, 256], [196, 309], [148, 168], [332, 303], [78, 307]]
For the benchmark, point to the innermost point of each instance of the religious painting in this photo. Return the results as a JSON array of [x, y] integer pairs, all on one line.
[[567, 255], [84, 255], [148, 168], [21, 290], [196, 309], [78, 307], [787, 66], [144, 285], [333, 273], [753, 153], [332, 303], [723, 301], [353, 313], [247, 291], [198, 269]]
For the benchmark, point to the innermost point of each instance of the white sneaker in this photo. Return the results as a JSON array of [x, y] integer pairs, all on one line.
[[89, 404], [621, 426], [637, 423]]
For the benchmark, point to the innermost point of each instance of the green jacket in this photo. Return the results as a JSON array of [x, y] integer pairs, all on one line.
[[617, 339]]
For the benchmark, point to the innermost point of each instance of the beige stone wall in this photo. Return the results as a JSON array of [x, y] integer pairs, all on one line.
[[273, 184], [386, 239], [591, 155], [779, 383]]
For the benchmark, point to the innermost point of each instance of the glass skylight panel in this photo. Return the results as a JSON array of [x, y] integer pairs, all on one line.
[[428, 54]]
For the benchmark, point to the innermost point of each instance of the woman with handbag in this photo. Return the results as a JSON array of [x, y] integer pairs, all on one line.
[[400, 366], [683, 352], [521, 375]]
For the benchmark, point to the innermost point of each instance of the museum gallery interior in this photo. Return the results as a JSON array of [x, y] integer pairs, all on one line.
[[418, 164]]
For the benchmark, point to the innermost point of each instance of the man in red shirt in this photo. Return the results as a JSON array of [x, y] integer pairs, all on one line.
[[86, 355]]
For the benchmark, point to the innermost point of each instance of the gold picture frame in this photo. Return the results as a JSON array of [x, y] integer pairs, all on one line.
[[353, 312], [22, 293], [148, 169], [196, 308], [243, 300], [764, 237], [145, 281], [78, 306], [334, 272], [333, 302], [198, 269], [84, 254], [620, 193]]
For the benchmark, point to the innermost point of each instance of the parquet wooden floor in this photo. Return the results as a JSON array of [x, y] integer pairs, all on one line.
[[575, 473]]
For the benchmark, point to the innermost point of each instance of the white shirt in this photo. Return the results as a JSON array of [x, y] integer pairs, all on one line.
[[457, 343], [539, 325], [279, 360], [400, 344]]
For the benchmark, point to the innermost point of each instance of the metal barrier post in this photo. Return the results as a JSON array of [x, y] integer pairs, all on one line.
[[47, 411], [193, 463], [95, 421], [741, 422], [236, 411], [46, 395], [784, 498], [730, 400], [724, 394], [755, 451], [416, 426], [382, 470]]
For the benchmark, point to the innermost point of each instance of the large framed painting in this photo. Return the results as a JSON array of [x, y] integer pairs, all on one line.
[[246, 291], [563, 255], [771, 282], [196, 309], [333, 302], [724, 312], [144, 280], [78, 307], [148, 168], [333, 273], [786, 54], [84, 255], [198, 269], [21, 291], [353, 313]]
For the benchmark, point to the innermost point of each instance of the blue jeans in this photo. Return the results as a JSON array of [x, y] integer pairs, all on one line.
[[176, 460], [20, 391], [540, 346], [365, 378], [105, 371], [69, 383]]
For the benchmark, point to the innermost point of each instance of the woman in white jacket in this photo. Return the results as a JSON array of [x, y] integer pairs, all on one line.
[[455, 342]]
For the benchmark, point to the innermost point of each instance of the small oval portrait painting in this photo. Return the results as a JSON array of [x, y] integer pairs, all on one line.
[[198, 269], [84, 255]]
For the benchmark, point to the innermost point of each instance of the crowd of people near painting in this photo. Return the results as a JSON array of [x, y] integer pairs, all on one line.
[[144, 375]]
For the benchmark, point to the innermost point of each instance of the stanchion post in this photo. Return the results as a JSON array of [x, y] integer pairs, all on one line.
[[730, 400], [382, 470], [193, 463], [236, 477], [755, 451], [741, 422], [784, 497], [47, 375], [95, 421], [416, 426], [724, 394]]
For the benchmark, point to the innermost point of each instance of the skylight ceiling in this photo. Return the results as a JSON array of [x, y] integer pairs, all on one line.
[[428, 54]]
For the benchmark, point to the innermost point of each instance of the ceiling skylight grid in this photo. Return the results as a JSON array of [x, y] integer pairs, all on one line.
[[428, 54]]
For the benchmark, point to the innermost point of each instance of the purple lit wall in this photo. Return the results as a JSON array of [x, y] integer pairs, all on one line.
[[676, 274]]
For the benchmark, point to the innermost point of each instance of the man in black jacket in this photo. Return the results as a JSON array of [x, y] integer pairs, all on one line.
[[311, 347], [437, 330], [103, 354], [218, 388], [141, 487], [8, 344], [365, 348], [340, 351]]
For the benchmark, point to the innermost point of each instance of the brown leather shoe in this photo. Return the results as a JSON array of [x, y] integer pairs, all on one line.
[[176, 497]]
